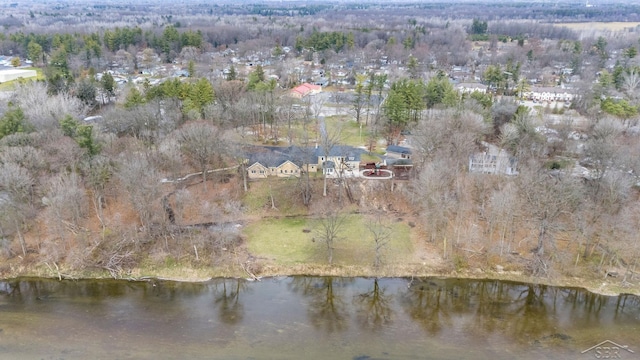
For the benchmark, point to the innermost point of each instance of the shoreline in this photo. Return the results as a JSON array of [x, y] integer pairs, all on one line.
[[605, 287]]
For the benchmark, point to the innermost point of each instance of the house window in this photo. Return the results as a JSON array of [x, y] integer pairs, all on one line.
[[261, 171], [253, 171]]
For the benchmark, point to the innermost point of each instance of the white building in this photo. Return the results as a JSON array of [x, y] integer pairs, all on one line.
[[13, 74], [493, 161]]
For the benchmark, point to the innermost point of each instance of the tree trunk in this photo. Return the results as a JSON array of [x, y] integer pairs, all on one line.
[[324, 187], [23, 245], [541, 235], [204, 178], [244, 177]]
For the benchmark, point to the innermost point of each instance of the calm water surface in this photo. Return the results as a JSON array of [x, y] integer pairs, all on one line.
[[310, 318]]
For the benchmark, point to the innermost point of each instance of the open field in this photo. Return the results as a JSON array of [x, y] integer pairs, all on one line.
[[351, 133], [610, 26], [289, 241]]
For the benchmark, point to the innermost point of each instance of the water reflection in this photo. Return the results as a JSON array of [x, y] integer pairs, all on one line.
[[427, 303], [304, 316], [373, 308], [227, 299], [326, 307]]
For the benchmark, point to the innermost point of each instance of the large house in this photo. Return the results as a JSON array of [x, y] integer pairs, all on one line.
[[14, 74], [305, 89], [493, 161], [468, 88], [342, 161], [548, 94]]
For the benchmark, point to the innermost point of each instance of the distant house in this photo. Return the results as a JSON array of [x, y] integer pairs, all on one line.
[[467, 88], [548, 94], [493, 161], [13, 74], [398, 152], [305, 89], [181, 73], [322, 81]]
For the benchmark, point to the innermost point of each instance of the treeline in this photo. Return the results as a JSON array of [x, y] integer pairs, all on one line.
[[320, 41], [170, 41]]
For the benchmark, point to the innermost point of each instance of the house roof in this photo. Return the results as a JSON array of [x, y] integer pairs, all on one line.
[[350, 153], [399, 149], [471, 85], [274, 156], [268, 159], [256, 164], [305, 89]]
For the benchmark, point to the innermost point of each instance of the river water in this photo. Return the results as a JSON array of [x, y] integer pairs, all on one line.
[[311, 318]]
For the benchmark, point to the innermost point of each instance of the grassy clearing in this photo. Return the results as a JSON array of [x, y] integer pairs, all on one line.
[[283, 242], [366, 158], [350, 131], [286, 196], [613, 26]]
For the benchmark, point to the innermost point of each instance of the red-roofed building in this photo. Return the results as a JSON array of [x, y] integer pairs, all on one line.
[[305, 89]]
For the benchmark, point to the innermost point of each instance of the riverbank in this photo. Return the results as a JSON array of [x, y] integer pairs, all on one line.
[[604, 286]]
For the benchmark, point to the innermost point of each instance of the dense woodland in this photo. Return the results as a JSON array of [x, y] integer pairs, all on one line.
[[111, 194]]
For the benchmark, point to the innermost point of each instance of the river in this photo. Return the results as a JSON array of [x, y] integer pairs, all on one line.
[[312, 318]]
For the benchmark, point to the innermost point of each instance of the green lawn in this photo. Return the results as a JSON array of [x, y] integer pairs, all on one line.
[[286, 196], [350, 131], [288, 241]]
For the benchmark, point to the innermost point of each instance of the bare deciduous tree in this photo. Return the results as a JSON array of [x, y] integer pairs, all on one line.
[[381, 232], [329, 138], [66, 204], [202, 145], [546, 199], [15, 194], [502, 214], [630, 82], [28, 157], [99, 172], [44, 111], [330, 223], [140, 179]]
